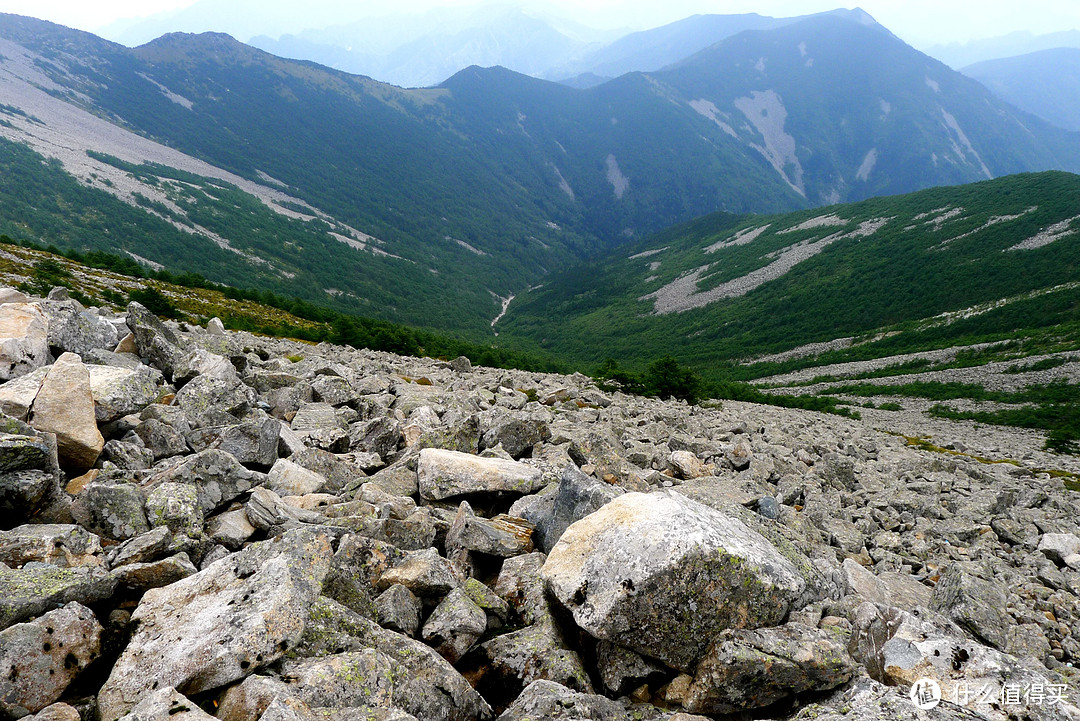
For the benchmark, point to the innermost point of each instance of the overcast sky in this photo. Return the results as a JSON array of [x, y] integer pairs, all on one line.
[[919, 22]]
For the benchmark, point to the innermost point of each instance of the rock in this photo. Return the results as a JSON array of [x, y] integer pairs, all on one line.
[[687, 465], [399, 610], [379, 435], [290, 479], [64, 406], [662, 575], [343, 680], [739, 455], [10, 295], [253, 443], [61, 545], [217, 477], [231, 529], [891, 589], [74, 330], [56, 712], [266, 511], [445, 474], [497, 610], [111, 510], [577, 496], [536, 652], [36, 588], [520, 585], [24, 339], [140, 549], [209, 401], [426, 686], [748, 669], [1059, 546], [516, 434], [39, 659], [867, 700], [118, 392], [221, 624], [338, 471], [455, 626], [977, 606], [214, 326], [621, 670], [128, 456], [425, 573], [161, 439], [17, 395], [166, 704], [502, 536], [175, 506], [144, 576], [549, 700], [23, 495], [461, 364], [153, 340], [768, 507]]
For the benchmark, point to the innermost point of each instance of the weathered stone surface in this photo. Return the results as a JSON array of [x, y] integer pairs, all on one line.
[[536, 652], [577, 496], [687, 465], [175, 506], [425, 573], [549, 700], [976, 605], [17, 395], [343, 680], [64, 406], [516, 434], [221, 624], [398, 609], [144, 576], [621, 670], [217, 477], [747, 669], [61, 545], [253, 443], [231, 529], [24, 493], [209, 401], [662, 574], [40, 658], [161, 439], [503, 535], [24, 339], [445, 474], [1059, 546], [142, 548], [455, 625], [111, 510], [287, 478], [889, 588], [72, 329], [166, 704], [153, 340], [118, 392], [36, 588], [426, 686], [56, 712], [521, 586], [128, 456]]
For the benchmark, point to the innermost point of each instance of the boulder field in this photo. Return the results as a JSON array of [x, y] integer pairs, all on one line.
[[196, 524]]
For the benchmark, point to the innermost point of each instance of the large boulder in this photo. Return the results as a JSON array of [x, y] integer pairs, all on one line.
[[37, 588], [118, 392], [222, 624], [40, 658], [445, 474], [577, 496], [64, 406], [662, 575], [62, 545], [24, 339], [154, 341], [216, 475], [72, 329]]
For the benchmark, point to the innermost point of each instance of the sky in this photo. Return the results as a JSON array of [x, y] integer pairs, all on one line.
[[919, 22]]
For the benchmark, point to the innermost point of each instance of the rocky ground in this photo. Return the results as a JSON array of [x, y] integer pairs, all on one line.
[[196, 524]]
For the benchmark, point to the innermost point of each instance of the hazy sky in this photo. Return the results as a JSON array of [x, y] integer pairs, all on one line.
[[919, 22]]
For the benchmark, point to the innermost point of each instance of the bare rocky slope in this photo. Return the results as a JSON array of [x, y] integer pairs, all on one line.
[[196, 523]]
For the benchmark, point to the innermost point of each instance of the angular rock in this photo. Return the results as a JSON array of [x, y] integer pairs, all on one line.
[[144, 576], [128, 456], [145, 547], [427, 685], [445, 474], [549, 700], [72, 329], [36, 588], [17, 395], [118, 392], [577, 496], [61, 545], [231, 529], [24, 339], [503, 535], [39, 659], [516, 435], [748, 669], [343, 680], [687, 465], [175, 506], [455, 626], [166, 704], [520, 585], [161, 439], [536, 652], [221, 624], [661, 574], [425, 573], [210, 401], [64, 406], [154, 340], [621, 670], [111, 510], [399, 610], [976, 605], [254, 443], [291, 479], [1059, 546], [217, 477]]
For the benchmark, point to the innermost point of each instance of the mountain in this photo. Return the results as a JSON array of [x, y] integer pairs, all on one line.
[[657, 48], [1022, 42], [1044, 83], [419, 51], [988, 261], [434, 206]]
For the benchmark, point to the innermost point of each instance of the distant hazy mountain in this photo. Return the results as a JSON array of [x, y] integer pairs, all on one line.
[[959, 55], [1045, 83], [419, 51]]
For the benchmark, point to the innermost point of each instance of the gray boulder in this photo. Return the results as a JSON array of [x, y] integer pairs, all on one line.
[[976, 605], [662, 575], [399, 610], [252, 443], [61, 545], [577, 496], [221, 624], [118, 392], [166, 704], [72, 329], [36, 588], [445, 474], [217, 477], [455, 625], [41, 658], [111, 510], [64, 406], [24, 339]]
